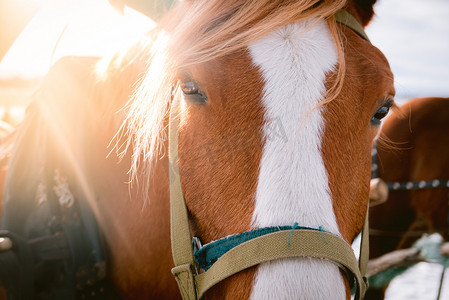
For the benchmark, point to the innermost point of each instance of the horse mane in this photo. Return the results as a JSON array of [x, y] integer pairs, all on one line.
[[195, 32]]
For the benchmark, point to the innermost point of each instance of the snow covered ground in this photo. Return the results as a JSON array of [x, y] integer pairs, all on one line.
[[419, 283]]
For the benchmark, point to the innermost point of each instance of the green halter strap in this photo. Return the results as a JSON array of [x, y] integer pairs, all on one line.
[[301, 243]]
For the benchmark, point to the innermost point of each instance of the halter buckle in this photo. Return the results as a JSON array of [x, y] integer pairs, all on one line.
[[186, 281], [196, 245]]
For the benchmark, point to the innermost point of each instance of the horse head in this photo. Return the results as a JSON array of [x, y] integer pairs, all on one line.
[[279, 107]]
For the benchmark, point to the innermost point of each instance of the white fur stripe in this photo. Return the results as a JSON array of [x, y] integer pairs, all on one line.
[[293, 183]]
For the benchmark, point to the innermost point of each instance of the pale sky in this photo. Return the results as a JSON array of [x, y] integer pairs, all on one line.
[[413, 35]]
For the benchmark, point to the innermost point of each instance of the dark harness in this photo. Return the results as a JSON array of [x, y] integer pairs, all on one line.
[[57, 255], [405, 185], [50, 244]]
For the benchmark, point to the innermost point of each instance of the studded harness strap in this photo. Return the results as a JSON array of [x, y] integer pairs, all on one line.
[[405, 185], [253, 249]]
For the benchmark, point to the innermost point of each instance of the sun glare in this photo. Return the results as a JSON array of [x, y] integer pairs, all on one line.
[[59, 28]]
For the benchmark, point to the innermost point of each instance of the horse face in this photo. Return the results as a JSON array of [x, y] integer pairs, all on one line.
[[259, 148], [220, 149]]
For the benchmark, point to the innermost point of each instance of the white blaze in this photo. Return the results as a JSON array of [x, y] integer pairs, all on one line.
[[293, 183]]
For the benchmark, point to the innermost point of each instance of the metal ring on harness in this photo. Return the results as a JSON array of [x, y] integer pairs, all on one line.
[[403, 185]]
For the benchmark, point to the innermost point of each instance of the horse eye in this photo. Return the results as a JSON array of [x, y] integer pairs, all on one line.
[[192, 92], [189, 88], [381, 113]]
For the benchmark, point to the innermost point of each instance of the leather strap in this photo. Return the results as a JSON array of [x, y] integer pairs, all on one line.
[[181, 240], [345, 18], [364, 247]]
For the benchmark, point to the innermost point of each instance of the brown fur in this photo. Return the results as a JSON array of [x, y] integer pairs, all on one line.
[[220, 151], [362, 10], [345, 149]]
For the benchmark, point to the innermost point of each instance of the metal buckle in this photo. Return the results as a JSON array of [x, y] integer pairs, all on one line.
[[196, 245], [186, 281]]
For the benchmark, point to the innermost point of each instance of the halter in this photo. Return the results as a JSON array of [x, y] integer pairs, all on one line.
[[228, 256]]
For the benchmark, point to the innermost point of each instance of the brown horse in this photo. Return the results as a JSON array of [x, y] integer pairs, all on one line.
[[413, 147], [279, 110]]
